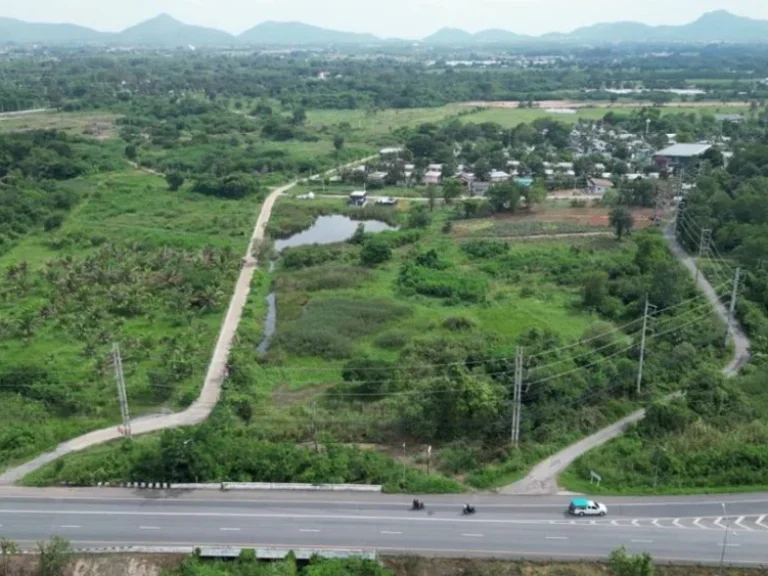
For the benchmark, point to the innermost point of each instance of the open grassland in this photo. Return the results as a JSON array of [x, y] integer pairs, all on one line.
[[99, 125], [377, 126], [131, 263], [511, 117]]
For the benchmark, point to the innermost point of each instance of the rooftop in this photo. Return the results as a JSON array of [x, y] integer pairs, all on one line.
[[684, 150]]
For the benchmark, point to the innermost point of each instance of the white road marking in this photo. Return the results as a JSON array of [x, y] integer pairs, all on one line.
[[760, 521], [230, 529], [389, 532], [697, 523], [557, 537], [642, 541], [718, 520], [656, 523], [473, 535], [149, 527], [69, 526], [309, 530], [635, 523], [739, 521]]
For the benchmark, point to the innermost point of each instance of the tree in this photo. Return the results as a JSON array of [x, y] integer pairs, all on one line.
[[419, 217], [54, 556], [174, 180], [7, 549], [375, 251], [299, 116], [338, 142], [431, 197], [622, 221], [131, 152], [624, 564], [504, 197], [595, 290], [452, 189]]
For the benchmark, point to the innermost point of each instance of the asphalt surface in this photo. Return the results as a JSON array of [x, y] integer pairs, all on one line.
[[673, 529]]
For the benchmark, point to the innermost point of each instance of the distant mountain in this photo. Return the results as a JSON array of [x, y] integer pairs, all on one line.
[[718, 26], [450, 36], [297, 33], [12, 30], [166, 30]]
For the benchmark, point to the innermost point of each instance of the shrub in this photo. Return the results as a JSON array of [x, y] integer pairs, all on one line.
[[448, 284], [324, 278], [459, 324], [375, 252], [393, 340], [485, 248]]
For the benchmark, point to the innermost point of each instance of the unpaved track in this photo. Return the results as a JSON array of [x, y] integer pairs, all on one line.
[[209, 395], [542, 479]]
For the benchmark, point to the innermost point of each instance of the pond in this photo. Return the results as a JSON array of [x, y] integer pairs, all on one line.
[[329, 230], [325, 230]]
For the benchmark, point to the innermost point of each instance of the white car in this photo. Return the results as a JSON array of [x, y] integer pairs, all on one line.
[[583, 507]]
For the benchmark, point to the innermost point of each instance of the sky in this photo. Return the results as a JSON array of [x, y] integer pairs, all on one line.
[[387, 18]]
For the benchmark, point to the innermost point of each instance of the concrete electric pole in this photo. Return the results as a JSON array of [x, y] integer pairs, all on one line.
[[732, 308], [121, 394], [648, 306], [517, 396], [704, 239]]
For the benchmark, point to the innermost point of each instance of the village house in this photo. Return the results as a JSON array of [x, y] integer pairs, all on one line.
[[432, 177], [598, 186], [498, 176]]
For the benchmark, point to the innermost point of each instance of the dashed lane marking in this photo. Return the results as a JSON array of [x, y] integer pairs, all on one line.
[[389, 532], [229, 529], [557, 538], [69, 526], [149, 527], [309, 530], [473, 535], [642, 541]]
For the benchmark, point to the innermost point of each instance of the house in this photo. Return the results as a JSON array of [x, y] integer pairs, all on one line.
[[377, 176], [477, 188], [432, 177], [680, 155], [435, 168], [735, 118], [391, 150], [498, 176], [467, 178], [358, 198], [564, 166], [409, 167], [513, 164], [598, 186], [524, 182]]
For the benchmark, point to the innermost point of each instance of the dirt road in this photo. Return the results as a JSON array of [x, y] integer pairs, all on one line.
[[561, 104], [542, 479]]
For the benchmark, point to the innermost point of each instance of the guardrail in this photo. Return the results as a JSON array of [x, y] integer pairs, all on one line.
[[244, 486]]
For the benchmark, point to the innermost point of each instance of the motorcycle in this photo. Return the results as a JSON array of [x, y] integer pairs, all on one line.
[[468, 509], [417, 504]]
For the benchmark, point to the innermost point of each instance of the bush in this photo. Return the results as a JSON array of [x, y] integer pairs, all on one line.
[[393, 340], [448, 284], [323, 278], [375, 252], [485, 248], [459, 324]]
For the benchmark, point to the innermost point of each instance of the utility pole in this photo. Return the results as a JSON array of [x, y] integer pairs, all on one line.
[[517, 396], [706, 234], [732, 309], [314, 425], [121, 394], [648, 305]]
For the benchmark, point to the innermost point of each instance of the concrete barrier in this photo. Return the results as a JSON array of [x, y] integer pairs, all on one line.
[[243, 486]]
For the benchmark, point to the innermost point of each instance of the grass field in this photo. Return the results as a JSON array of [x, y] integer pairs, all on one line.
[[511, 117], [376, 127], [99, 125]]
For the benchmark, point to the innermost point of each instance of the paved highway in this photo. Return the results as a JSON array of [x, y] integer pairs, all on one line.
[[675, 529]]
